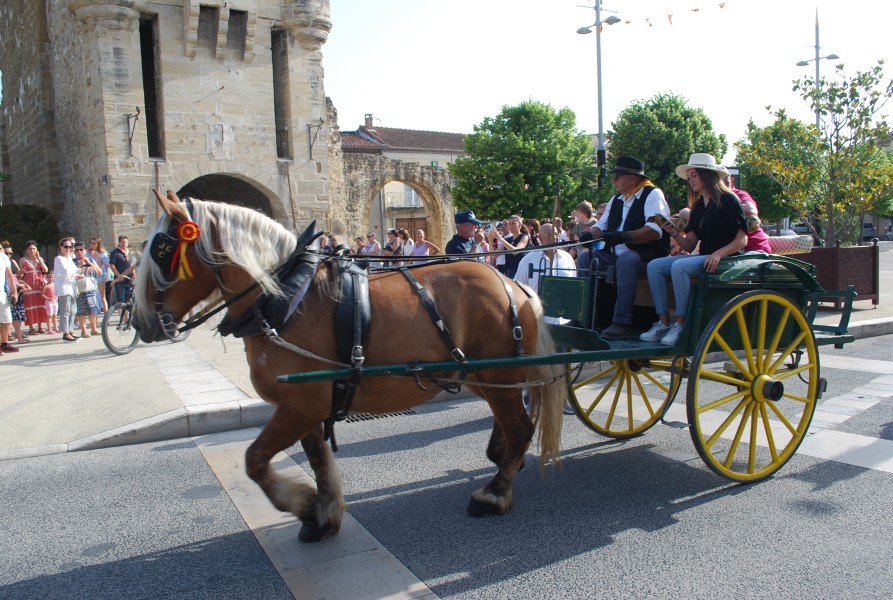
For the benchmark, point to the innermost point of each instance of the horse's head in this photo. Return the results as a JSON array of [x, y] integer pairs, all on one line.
[[173, 276]]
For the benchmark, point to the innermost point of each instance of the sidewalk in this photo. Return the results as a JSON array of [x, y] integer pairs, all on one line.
[[60, 397]]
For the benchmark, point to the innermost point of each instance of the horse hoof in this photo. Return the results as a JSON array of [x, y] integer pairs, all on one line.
[[312, 532], [476, 508]]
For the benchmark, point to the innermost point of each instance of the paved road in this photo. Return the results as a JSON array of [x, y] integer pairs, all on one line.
[[640, 518]]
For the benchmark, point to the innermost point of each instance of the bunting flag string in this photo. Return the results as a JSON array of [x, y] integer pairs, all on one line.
[[651, 18]]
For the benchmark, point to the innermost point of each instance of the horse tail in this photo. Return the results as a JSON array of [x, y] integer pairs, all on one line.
[[547, 400]]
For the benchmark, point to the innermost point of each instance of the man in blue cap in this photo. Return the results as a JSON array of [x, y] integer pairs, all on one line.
[[465, 241]]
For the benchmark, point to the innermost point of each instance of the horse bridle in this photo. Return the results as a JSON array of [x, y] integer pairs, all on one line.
[[169, 324], [169, 253], [164, 258]]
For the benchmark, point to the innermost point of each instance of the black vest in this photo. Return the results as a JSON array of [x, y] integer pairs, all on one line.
[[635, 219]]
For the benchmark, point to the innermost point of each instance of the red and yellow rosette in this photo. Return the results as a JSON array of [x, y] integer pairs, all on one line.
[[188, 232]]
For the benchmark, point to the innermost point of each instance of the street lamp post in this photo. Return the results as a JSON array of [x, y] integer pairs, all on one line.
[[598, 69], [817, 59]]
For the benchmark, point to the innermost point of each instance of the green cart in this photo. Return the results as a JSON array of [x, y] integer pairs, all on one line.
[[749, 353]]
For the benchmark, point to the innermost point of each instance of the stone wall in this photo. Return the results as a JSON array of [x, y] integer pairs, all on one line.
[[80, 88], [28, 107], [74, 115], [339, 221]]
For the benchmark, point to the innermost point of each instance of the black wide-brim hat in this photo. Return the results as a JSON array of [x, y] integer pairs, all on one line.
[[628, 165]]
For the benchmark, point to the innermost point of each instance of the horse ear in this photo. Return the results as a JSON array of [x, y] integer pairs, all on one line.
[[162, 202], [310, 234], [172, 206]]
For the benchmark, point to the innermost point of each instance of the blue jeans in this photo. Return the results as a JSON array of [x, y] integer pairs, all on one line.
[[680, 268]]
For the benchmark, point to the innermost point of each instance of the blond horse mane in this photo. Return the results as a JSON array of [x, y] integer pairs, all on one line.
[[244, 237]]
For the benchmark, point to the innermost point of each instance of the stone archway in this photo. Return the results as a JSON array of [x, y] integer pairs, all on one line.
[[365, 175], [229, 189]]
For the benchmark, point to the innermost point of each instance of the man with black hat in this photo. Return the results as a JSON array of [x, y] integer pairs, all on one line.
[[632, 238], [465, 241]]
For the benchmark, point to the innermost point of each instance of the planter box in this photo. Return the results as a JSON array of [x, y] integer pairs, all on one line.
[[837, 268]]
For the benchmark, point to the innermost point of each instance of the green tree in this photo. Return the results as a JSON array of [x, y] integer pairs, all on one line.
[[663, 132], [515, 162], [838, 172], [790, 142], [884, 206], [22, 222]]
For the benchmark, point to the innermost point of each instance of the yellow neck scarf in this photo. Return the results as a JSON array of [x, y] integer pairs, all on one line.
[[635, 190]]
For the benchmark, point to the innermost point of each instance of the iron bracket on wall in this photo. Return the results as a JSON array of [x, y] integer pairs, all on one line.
[[131, 128], [311, 138]]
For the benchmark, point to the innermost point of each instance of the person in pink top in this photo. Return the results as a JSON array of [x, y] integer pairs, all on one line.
[[757, 240], [51, 304]]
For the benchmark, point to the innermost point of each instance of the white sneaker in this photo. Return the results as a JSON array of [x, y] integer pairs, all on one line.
[[657, 331], [672, 336]]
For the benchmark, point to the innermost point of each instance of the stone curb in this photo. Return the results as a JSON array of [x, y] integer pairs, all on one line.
[[181, 423], [871, 328]]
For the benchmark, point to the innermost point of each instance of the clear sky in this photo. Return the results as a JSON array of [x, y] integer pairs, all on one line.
[[445, 65]]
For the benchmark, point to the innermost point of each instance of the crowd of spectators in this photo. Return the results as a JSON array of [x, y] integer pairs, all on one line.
[[66, 295]]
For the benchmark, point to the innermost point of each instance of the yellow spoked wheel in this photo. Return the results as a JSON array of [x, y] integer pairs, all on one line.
[[753, 386], [628, 397]]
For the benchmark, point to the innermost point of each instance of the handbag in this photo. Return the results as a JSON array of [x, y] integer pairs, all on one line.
[[87, 284]]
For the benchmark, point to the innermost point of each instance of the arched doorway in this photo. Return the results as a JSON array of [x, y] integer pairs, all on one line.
[[406, 204], [225, 188]]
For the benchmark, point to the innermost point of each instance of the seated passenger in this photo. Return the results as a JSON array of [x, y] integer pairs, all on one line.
[[757, 240], [717, 222], [549, 261], [632, 237]]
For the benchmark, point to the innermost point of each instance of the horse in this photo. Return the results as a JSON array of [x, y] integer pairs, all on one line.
[[230, 253]]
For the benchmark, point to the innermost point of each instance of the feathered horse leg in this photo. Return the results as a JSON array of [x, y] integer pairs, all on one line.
[[326, 519], [320, 512]]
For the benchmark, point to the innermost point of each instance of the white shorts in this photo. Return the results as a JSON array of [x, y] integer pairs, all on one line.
[[52, 307], [5, 310]]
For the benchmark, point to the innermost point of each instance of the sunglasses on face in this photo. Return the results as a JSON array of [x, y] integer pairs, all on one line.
[[68, 247]]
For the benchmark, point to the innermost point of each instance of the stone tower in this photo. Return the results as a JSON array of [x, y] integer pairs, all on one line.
[[104, 100]]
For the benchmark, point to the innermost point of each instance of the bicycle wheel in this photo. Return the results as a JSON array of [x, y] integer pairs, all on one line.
[[117, 333]]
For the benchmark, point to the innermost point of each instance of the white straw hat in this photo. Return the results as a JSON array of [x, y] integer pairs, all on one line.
[[699, 161]]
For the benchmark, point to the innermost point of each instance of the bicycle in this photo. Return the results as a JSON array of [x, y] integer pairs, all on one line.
[[118, 333]]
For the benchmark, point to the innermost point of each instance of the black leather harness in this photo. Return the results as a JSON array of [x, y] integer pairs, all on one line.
[[428, 303], [353, 319], [269, 312]]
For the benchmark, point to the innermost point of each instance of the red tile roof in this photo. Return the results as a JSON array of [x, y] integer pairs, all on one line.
[[388, 139], [351, 141]]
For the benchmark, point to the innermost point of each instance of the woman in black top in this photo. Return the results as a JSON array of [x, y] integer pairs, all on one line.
[[517, 240], [716, 222]]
